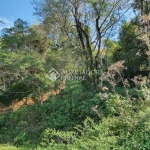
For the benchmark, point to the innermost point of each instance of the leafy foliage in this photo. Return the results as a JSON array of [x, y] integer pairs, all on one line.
[[107, 110], [130, 47]]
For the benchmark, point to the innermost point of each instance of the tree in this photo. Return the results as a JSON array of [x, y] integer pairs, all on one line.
[[132, 49], [24, 37], [111, 47], [92, 21], [25, 77], [37, 39], [14, 38], [142, 5]]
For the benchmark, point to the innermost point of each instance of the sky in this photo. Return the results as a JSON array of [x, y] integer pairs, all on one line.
[[11, 10]]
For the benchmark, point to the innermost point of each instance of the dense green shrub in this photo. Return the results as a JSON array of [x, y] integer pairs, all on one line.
[[58, 123]]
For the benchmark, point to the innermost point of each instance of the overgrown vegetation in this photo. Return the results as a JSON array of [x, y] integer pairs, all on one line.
[[105, 100], [72, 121]]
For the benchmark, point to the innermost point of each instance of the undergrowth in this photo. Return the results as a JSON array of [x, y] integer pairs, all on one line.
[[77, 119]]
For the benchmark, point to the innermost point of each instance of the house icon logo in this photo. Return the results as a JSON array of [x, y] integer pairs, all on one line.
[[53, 75]]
